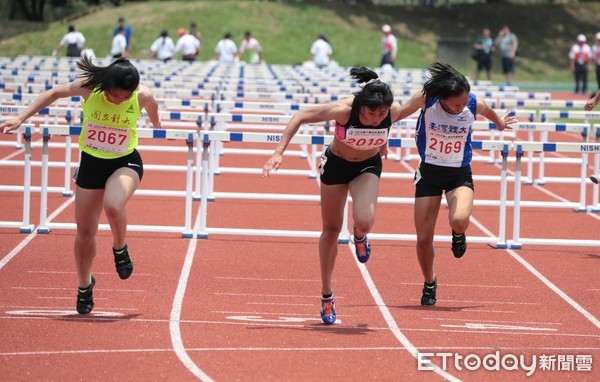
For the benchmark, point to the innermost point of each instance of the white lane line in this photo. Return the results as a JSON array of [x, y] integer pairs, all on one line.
[[391, 322], [265, 279], [278, 349], [175, 320], [555, 289], [30, 237]]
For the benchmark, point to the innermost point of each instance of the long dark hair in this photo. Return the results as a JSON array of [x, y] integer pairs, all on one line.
[[120, 74], [445, 81], [375, 93]]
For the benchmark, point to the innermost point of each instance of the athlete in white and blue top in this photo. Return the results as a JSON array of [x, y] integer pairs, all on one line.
[[448, 110]]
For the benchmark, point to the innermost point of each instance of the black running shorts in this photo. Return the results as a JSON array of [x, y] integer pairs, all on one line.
[[335, 170], [93, 172], [432, 180]]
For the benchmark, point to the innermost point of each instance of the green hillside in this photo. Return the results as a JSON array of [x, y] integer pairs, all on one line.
[[287, 29]]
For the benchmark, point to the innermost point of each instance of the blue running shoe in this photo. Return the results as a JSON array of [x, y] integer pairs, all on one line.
[[362, 248], [328, 310]]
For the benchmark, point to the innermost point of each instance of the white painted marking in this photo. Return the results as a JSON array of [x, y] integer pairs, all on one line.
[[56, 312], [481, 326], [283, 319], [175, 320]]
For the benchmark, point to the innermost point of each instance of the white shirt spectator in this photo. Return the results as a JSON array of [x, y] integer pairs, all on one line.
[[226, 50], [73, 38], [252, 46], [188, 45], [163, 48], [580, 53], [119, 45], [321, 52]]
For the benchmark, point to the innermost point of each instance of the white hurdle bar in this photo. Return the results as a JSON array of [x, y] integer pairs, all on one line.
[[189, 137], [520, 148], [26, 130], [207, 137]]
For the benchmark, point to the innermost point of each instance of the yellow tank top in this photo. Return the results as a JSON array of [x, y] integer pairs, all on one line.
[[109, 131]]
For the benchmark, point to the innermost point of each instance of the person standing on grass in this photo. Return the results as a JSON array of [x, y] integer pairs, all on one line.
[[389, 46], [119, 45], [73, 40], [111, 168], [351, 163], [580, 56], [443, 135], [596, 59], [507, 43], [128, 32], [589, 106]]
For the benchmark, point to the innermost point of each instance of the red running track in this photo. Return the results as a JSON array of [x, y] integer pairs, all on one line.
[[245, 308]]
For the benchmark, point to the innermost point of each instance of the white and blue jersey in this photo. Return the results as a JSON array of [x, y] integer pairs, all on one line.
[[444, 139]]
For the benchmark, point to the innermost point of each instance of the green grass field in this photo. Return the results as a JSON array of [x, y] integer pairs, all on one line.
[[287, 29]]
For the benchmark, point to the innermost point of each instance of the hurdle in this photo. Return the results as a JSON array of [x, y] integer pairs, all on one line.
[[25, 226], [207, 137], [189, 137], [520, 148]]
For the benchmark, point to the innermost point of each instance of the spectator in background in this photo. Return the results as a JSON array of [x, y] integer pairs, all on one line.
[[163, 47], [226, 50], [389, 46], [250, 49], [188, 45], [194, 32], [596, 57], [484, 46], [128, 31], [119, 44], [73, 40], [580, 56], [508, 43], [321, 51]]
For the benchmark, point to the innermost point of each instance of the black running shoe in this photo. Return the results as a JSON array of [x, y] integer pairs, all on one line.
[[123, 262], [594, 179], [85, 301], [459, 244], [428, 297]]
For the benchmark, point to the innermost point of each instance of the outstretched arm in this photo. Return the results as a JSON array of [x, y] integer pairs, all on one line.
[[338, 110], [414, 103], [44, 100], [489, 113]]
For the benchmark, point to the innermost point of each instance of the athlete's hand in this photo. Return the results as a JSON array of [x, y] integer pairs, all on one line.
[[590, 104], [10, 125], [508, 119], [272, 164]]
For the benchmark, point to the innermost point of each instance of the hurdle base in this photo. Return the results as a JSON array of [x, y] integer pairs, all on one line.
[[201, 235], [187, 235], [595, 209], [515, 246], [26, 229], [580, 209], [540, 182], [498, 245], [67, 194], [43, 231]]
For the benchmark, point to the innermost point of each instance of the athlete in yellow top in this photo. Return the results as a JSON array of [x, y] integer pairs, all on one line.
[[111, 168]]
